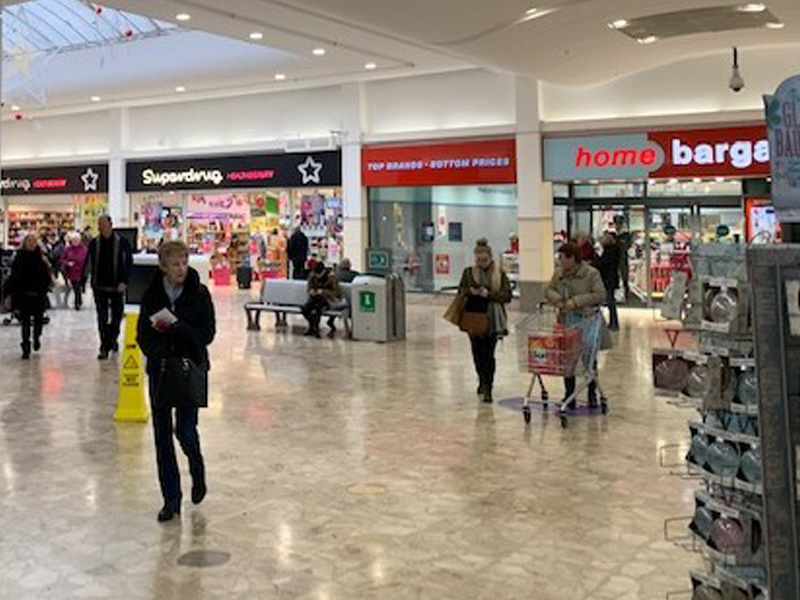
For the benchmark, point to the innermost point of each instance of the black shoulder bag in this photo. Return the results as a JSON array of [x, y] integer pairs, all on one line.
[[181, 382]]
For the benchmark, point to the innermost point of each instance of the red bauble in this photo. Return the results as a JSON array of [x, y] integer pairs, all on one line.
[[18, 116], [128, 33]]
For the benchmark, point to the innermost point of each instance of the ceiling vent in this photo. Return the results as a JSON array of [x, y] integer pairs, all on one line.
[[699, 20], [321, 144]]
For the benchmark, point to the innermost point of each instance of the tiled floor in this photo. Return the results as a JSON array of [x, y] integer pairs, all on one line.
[[338, 470]]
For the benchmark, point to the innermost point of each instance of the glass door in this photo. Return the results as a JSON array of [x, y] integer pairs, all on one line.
[[670, 236]]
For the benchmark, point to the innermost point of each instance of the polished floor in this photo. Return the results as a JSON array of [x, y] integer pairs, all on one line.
[[338, 470]]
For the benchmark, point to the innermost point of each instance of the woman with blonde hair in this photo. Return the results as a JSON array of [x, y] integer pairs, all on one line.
[[485, 290]]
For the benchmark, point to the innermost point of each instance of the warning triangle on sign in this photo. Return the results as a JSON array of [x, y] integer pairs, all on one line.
[[130, 363]]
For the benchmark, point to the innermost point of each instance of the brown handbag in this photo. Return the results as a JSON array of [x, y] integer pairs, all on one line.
[[476, 324], [455, 310]]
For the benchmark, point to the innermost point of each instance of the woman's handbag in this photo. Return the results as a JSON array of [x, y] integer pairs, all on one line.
[[182, 382], [455, 310], [476, 324]]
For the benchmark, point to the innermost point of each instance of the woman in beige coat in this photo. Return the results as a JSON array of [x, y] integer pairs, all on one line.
[[576, 286]]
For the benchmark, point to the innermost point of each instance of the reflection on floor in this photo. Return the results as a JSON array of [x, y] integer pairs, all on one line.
[[338, 470]]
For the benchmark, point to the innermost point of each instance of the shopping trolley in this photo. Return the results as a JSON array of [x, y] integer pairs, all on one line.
[[560, 344]]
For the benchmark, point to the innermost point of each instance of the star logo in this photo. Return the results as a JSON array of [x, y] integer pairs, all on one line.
[[310, 171], [90, 179]]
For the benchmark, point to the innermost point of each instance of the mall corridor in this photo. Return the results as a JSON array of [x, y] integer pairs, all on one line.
[[339, 470]]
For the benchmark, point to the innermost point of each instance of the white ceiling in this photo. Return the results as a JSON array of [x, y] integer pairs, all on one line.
[[572, 45]]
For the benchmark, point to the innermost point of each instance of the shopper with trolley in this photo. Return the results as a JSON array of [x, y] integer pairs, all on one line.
[[576, 290]]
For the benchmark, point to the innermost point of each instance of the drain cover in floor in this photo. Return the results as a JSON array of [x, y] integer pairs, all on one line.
[[204, 558]]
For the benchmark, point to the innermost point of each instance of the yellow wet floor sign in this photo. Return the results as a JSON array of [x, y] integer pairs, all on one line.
[[131, 406]]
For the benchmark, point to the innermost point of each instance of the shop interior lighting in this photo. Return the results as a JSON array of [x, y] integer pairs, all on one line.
[[280, 77], [618, 24], [752, 7], [720, 180], [775, 25], [95, 98], [180, 89], [256, 35], [15, 108], [650, 39], [319, 52], [183, 17], [371, 66]]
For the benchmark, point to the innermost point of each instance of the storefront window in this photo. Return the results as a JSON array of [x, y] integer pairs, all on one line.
[[610, 190], [432, 230], [676, 189], [715, 220], [51, 215]]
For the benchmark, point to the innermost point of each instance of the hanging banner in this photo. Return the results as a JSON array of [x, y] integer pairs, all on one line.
[[783, 122]]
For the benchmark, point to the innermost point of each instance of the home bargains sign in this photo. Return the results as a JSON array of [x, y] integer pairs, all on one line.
[[717, 152], [460, 163]]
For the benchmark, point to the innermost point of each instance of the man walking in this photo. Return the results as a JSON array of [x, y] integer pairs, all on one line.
[[297, 251], [110, 263]]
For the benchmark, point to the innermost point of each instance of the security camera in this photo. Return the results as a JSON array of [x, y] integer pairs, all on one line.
[[736, 83]]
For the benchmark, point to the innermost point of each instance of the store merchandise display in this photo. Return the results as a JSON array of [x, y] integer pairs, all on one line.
[[719, 381], [37, 221]]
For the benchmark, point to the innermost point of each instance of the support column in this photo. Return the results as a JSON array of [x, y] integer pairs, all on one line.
[[535, 198], [118, 205], [354, 194]]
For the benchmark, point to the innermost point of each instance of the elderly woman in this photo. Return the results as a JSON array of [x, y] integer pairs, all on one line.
[[576, 287], [485, 289], [176, 326]]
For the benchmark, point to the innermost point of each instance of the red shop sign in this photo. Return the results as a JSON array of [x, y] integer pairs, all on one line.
[[460, 163], [718, 152]]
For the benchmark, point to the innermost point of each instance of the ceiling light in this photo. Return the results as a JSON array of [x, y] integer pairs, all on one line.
[[673, 181], [650, 39], [15, 108], [183, 17], [319, 51], [256, 35], [697, 180], [720, 179], [180, 89], [280, 77], [95, 98], [752, 7], [371, 66], [618, 24], [775, 25]]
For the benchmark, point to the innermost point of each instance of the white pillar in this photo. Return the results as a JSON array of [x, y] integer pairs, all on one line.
[[356, 222], [118, 205], [535, 197]]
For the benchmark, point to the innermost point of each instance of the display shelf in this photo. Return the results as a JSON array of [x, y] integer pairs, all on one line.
[[732, 483], [728, 436]]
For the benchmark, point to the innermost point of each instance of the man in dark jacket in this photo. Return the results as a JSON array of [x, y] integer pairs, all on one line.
[[110, 264], [608, 265], [297, 251], [176, 321]]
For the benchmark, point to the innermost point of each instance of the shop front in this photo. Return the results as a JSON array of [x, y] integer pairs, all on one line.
[[660, 192], [429, 203], [49, 201], [241, 210]]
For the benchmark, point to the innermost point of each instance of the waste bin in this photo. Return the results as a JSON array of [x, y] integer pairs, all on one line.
[[379, 308]]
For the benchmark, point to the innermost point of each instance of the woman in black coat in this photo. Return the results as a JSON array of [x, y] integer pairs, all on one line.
[[608, 265], [28, 285], [185, 331]]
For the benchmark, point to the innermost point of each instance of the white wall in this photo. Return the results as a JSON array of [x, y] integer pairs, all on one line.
[[462, 99], [688, 87], [57, 137], [236, 121]]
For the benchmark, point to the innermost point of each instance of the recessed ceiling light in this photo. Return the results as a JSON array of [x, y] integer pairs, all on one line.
[[320, 51], [775, 25], [15, 108], [618, 24], [650, 39], [256, 35], [180, 89], [673, 181], [720, 180], [752, 7], [280, 77], [95, 98], [697, 180], [371, 66], [183, 17]]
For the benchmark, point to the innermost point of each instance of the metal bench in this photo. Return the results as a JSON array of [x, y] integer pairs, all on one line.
[[285, 296]]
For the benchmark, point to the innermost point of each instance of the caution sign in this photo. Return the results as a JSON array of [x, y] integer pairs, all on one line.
[[131, 406]]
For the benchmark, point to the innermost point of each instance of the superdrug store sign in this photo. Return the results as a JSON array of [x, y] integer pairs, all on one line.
[[73, 179], [316, 169]]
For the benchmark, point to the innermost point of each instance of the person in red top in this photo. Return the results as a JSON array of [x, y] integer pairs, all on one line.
[[584, 243], [73, 265]]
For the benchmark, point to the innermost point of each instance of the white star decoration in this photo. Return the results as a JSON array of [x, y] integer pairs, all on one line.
[[310, 171], [90, 179]]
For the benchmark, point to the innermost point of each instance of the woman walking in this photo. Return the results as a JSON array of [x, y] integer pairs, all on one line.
[[608, 265], [73, 265], [28, 285], [176, 326], [484, 290]]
